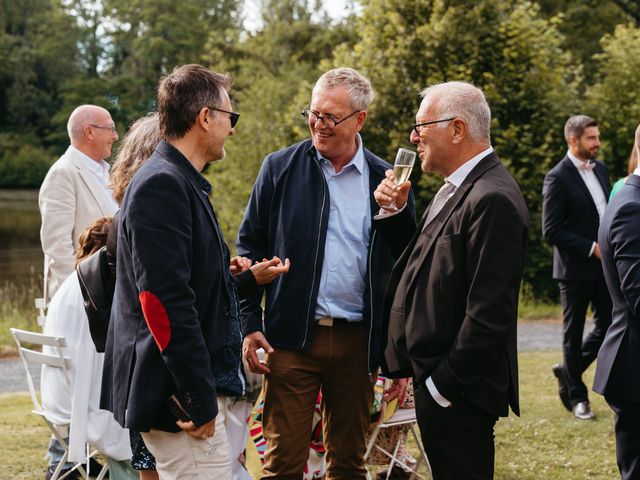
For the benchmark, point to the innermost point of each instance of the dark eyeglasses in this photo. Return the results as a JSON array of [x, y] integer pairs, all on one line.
[[104, 127], [233, 116], [327, 120], [418, 126]]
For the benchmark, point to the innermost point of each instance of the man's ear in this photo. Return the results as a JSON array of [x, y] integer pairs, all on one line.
[[204, 118], [361, 117], [460, 130]]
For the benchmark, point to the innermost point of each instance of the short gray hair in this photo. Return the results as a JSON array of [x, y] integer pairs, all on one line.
[[576, 126], [81, 117], [359, 87], [462, 100]]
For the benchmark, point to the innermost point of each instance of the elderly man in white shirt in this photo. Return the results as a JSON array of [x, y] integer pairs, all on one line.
[[75, 192]]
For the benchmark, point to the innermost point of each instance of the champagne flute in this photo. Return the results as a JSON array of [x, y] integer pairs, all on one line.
[[402, 169]]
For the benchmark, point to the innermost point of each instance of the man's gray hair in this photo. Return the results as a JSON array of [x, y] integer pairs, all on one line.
[[576, 126], [79, 118], [461, 100], [359, 87]]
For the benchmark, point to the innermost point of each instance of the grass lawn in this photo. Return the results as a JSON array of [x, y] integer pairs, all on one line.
[[546, 442]]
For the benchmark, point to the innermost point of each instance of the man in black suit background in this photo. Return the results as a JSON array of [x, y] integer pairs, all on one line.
[[452, 299], [619, 357], [575, 194]]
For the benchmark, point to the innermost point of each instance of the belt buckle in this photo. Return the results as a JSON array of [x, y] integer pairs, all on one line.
[[325, 322]]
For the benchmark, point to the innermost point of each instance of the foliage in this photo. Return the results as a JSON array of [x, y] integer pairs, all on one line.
[[509, 51], [615, 98]]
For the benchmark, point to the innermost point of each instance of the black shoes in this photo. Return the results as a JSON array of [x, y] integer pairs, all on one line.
[[583, 411], [563, 388]]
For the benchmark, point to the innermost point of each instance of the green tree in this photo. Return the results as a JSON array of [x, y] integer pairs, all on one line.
[[615, 97], [506, 48], [270, 68]]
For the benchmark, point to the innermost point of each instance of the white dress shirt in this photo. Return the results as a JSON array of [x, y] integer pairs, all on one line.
[[593, 185], [100, 170]]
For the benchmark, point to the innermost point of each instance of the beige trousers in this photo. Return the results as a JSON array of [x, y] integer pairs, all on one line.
[[179, 456]]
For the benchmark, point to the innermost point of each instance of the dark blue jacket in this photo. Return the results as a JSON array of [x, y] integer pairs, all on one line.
[[174, 303], [288, 216]]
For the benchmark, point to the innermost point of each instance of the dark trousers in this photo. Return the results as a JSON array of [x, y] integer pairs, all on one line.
[[337, 363], [458, 440], [627, 427], [579, 353]]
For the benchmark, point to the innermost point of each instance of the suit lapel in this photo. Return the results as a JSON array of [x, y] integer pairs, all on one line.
[[602, 179], [94, 187], [575, 176], [434, 229]]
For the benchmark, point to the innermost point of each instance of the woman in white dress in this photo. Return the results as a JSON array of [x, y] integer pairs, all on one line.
[[80, 407]]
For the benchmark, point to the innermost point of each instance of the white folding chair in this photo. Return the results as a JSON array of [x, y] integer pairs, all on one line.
[[26, 341], [402, 416]]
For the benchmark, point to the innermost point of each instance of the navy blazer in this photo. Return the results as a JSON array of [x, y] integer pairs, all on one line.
[[173, 301], [619, 239], [570, 220]]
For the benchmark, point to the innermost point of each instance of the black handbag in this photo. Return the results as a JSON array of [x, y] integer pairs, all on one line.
[[97, 286]]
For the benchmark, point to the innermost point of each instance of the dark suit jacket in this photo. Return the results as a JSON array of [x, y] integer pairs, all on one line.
[[172, 302], [619, 239], [570, 220], [458, 322]]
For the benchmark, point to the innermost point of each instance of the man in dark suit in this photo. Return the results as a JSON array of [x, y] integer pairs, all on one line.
[[575, 195], [175, 302], [452, 299], [619, 357]]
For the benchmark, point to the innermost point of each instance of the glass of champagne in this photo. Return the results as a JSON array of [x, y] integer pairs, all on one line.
[[402, 169]]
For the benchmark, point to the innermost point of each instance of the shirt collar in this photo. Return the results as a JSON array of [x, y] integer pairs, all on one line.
[[202, 182], [576, 161], [100, 168], [457, 177], [358, 159]]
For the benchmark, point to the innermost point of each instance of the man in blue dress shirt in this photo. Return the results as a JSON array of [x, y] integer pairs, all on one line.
[[313, 203]]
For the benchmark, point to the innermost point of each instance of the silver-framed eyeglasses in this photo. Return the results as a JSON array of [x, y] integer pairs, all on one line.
[[327, 120], [112, 128], [418, 126]]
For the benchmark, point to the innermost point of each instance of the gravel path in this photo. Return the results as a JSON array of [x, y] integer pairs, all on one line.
[[533, 335]]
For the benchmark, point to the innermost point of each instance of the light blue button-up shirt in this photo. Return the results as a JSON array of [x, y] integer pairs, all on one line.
[[344, 266]]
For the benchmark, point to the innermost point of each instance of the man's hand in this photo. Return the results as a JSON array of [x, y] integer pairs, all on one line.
[[398, 389], [202, 432], [250, 345], [267, 270], [596, 251], [239, 265], [388, 192]]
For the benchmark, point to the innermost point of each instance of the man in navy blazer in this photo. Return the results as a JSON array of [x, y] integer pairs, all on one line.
[[619, 357], [575, 195], [174, 299]]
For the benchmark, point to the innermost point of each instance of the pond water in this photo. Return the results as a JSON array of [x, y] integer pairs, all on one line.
[[21, 258]]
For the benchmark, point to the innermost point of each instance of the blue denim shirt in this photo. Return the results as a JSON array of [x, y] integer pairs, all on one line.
[[344, 266]]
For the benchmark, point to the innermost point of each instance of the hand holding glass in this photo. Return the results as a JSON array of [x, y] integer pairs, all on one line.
[[402, 170]]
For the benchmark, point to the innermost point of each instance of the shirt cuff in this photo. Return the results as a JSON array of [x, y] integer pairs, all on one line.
[[593, 248], [382, 213], [440, 400]]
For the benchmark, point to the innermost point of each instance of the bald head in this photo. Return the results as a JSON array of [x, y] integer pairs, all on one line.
[[92, 131]]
